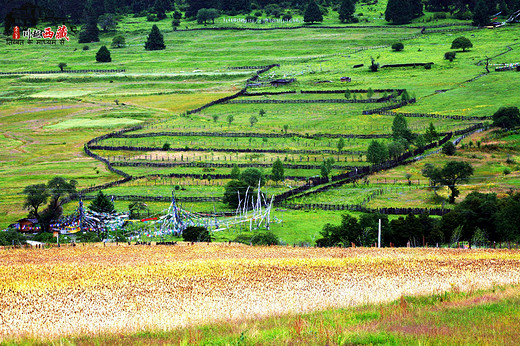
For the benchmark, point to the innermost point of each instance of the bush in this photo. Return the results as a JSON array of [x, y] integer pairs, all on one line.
[[118, 42], [450, 56], [260, 238], [287, 17], [506, 171], [196, 234], [265, 238], [448, 148], [103, 55], [398, 46], [88, 237], [258, 14], [439, 15], [12, 236], [86, 47], [45, 237], [428, 66], [152, 18], [176, 23]]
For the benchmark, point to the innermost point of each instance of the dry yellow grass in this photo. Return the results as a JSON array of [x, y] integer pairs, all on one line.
[[94, 290]]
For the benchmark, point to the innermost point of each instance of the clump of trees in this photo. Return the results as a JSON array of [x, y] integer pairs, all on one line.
[[205, 15], [452, 174], [248, 182], [403, 11], [44, 201], [480, 220], [507, 117]]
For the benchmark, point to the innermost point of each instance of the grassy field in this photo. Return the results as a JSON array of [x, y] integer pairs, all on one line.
[[221, 292], [46, 119]]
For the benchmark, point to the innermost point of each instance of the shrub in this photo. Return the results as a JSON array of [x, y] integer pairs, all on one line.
[[450, 55], [118, 42], [175, 23], [152, 18], [265, 238], [439, 15], [448, 148], [428, 66], [196, 234], [258, 14], [506, 171], [398, 46], [287, 17], [507, 117], [86, 47], [103, 55]]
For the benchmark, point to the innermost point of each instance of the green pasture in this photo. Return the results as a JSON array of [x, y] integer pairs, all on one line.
[[141, 171], [46, 119], [233, 143]]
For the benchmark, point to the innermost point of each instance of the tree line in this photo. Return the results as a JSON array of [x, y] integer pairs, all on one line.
[[479, 220]]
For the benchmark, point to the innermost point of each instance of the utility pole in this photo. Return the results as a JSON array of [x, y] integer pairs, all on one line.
[[379, 236]]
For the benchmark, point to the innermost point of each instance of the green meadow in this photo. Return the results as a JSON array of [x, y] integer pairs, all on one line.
[[47, 118]]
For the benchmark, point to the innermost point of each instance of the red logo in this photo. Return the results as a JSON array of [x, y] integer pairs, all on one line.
[[48, 33], [16, 33]]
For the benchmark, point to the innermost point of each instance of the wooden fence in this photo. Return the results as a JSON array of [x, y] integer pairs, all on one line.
[[66, 71]]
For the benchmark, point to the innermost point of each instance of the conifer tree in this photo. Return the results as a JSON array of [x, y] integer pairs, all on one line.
[[102, 204], [480, 16], [399, 11], [155, 40], [103, 55], [277, 172], [312, 13], [346, 10]]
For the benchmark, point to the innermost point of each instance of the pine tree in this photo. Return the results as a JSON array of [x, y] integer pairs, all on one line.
[[480, 14], [312, 13], [399, 11], [103, 55], [277, 172], [346, 10], [90, 32], [400, 129], [155, 40], [102, 204]]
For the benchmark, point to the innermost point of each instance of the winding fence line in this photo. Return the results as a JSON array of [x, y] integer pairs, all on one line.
[[387, 108]]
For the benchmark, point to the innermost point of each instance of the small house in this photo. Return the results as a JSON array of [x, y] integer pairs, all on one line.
[[28, 225]]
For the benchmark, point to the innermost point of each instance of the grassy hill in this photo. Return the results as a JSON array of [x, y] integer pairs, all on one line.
[[47, 118]]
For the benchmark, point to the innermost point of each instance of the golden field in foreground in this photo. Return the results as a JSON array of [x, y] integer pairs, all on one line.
[[94, 290]]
